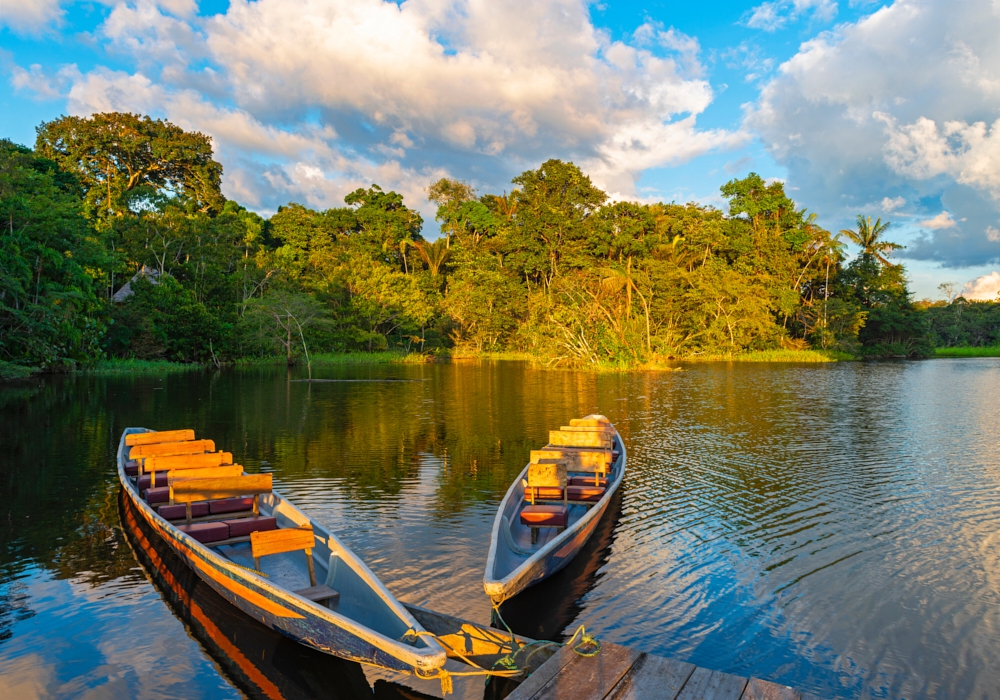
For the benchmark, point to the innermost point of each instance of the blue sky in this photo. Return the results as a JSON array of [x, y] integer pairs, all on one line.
[[885, 109]]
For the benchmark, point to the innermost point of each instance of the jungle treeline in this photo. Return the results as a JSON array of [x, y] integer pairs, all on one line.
[[551, 268]]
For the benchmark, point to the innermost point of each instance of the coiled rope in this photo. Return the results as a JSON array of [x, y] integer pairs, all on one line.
[[506, 666]]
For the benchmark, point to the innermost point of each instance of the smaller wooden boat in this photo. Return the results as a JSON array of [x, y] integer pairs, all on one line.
[[553, 507], [266, 557]]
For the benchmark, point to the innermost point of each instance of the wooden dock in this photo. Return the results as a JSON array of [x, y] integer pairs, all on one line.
[[616, 673]]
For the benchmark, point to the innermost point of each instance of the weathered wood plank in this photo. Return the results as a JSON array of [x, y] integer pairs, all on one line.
[[537, 680], [161, 436], [195, 461], [712, 685], [558, 438], [165, 449], [267, 542], [765, 690], [652, 677], [222, 487], [590, 677]]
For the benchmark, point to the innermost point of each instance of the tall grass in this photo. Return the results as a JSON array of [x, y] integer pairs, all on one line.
[[967, 352], [328, 359], [133, 366], [780, 355], [10, 371]]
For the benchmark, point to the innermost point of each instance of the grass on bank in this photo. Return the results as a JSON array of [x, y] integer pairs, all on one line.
[[328, 359], [9, 371], [779, 355], [134, 366], [967, 352]]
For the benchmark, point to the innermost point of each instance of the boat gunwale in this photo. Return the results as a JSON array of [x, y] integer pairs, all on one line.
[[507, 582], [422, 659]]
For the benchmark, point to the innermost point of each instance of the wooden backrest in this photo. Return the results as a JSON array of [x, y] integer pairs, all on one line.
[[607, 429], [195, 461], [594, 420], [177, 475], [577, 460], [278, 541], [547, 472], [192, 490], [188, 447], [599, 438], [158, 436]]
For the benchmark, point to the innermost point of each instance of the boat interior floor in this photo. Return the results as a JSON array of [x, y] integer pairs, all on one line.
[[288, 570]]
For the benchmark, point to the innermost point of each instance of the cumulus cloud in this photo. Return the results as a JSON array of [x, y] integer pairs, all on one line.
[[891, 204], [771, 16], [30, 16], [899, 104], [985, 288], [942, 220], [317, 96]]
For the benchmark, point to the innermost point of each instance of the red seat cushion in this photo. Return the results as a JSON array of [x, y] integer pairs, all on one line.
[[587, 481], [544, 516], [161, 494], [131, 468], [242, 527], [178, 511], [584, 493], [545, 493], [230, 505], [143, 483], [206, 532]]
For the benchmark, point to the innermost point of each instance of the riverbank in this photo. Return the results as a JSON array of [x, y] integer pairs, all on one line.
[[967, 352]]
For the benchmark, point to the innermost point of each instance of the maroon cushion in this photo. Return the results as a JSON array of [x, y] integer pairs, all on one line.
[[143, 483], [161, 494], [206, 532], [614, 455], [131, 468], [584, 493], [242, 527], [587, 481], [544, 516], [230, 505], [178, 511]]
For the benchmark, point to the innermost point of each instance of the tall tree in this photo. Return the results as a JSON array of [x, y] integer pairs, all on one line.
[[123, 160]]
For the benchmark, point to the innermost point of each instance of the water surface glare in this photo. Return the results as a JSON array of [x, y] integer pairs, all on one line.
[[829, 527]]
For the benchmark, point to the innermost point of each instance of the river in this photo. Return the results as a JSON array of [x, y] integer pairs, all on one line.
[[833, 527]]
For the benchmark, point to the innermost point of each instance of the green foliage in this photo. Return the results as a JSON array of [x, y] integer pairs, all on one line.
[[980, 351], [49, 313], [134, 366], [964, 323], [549, 270]]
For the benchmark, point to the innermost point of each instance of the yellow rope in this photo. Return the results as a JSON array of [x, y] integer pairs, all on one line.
[[445, 676]]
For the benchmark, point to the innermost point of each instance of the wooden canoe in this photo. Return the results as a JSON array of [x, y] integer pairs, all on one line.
[[514, 563], [366, 624]]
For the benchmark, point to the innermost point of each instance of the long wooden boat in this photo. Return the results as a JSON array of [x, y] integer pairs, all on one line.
[[268, 553], [554, 505]]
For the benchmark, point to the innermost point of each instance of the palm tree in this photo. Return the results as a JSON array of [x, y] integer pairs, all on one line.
[[833, 252], [434, 254], [869, 238]]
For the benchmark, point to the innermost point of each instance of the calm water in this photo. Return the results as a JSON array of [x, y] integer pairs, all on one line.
[[832, 527]]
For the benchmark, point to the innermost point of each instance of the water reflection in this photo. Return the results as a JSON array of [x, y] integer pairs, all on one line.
[[832, 528]]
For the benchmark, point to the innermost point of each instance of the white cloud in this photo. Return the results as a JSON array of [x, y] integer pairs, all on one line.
[[480, 89], [892, 204], [897, 105], [771, 16], [992, 234], [985, 288], [30, 16], [941, 221]]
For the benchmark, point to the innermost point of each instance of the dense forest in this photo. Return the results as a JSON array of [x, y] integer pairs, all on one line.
[[550, 269]]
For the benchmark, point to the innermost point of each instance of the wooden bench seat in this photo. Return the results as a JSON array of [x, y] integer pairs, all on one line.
[[264, 544], [166, 449], [156, 436]]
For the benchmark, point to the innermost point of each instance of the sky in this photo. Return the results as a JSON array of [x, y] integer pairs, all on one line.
[[861, 107]]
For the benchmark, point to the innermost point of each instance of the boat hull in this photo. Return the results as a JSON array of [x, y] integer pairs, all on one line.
[[276, 607], [555, 555]]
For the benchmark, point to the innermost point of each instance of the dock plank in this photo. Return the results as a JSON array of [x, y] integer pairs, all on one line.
[[590, 676], [712, 685], [810, 696], [537, 680], [652, 677], [758, 689]]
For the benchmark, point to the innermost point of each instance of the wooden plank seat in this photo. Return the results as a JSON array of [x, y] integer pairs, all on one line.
[[156, 436], [536, 516], [166, 449], [162, 478], [546, 477], [266, 543], [565, 438], [190, 491], [201, 460]]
